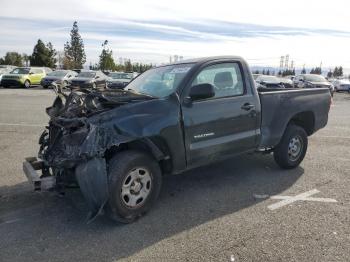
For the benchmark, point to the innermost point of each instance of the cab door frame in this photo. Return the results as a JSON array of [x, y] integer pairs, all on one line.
[[207, 146]]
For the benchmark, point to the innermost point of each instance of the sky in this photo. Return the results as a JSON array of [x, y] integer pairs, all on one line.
[[149, 31]]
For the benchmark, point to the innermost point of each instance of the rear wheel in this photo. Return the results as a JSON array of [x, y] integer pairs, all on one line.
[[134, 184], [26, 84], [292, 148]]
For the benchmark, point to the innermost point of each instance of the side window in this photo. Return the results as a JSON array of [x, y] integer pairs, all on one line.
[[226, 79], [37, 71]]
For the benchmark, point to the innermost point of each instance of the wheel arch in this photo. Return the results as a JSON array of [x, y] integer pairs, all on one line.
[[155, 146], [306, 120]]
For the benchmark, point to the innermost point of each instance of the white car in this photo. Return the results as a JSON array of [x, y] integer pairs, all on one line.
[[5, 69], [341, 85]]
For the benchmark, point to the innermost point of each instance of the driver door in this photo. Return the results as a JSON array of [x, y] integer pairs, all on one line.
[[223, 125]]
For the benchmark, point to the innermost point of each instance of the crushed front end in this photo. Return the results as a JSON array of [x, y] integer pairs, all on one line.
[[73, 145]]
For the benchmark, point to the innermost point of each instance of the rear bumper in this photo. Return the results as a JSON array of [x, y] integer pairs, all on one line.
[[30, 167]]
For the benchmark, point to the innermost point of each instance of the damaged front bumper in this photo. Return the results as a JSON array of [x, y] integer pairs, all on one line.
[[31, 166], [91, 176]]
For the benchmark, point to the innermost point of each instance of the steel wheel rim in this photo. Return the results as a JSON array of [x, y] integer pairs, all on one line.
[[295, 148], [136, 187]]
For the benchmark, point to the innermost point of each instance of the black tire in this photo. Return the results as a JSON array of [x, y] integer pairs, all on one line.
[[26, 84], [119, 169], [284, 156]]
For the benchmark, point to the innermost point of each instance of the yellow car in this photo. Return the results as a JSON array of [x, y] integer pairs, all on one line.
[[23, 77]]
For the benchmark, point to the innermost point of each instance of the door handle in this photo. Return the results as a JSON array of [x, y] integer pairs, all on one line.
[[247, 106]]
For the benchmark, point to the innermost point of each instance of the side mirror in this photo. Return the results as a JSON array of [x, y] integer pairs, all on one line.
[[31, 73], [301, 80], [97, 77], [202, 91]]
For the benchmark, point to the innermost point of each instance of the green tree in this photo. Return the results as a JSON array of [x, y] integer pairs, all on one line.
[[330, 74], [106, 58], [74, 54], [128, 66], [43, 55], [340, 71], [12, 58]]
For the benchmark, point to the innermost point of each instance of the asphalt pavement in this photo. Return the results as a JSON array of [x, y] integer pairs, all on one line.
[[243, 209]]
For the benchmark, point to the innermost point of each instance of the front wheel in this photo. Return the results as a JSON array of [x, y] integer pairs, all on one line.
[[134, 184], [292, 148], [26, 84]]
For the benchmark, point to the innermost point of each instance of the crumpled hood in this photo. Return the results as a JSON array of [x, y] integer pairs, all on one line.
[[83, 131]]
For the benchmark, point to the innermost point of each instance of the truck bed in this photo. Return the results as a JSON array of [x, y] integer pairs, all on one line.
[[279, 106]]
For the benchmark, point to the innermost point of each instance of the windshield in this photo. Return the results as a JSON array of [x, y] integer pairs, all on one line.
[[270, 79], [87, 74], [120, 75], [161, 81], [57, 73], [315, 78], [20, 71]]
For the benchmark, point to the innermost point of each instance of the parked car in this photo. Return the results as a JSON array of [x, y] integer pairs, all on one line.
[[119, 80], [117, 144], [341, 85], [266, 81], [255, 76], [90, 79], [291, 77], [5, 69], [62, 77], [286, 82], [23, 77], [312, 81]]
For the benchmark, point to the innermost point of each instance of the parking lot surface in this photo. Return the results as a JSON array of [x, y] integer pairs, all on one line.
[[230, 211]]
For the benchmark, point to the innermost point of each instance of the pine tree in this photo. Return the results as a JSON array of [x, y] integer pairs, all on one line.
[[303, 71], [106, 58], [43, 55], [340, 71], [74, 54], [330, 74]]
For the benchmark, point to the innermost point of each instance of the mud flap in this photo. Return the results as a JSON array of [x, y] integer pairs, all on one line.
[[92, 179]]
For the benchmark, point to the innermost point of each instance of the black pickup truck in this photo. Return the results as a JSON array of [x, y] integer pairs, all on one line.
[[117, 144]]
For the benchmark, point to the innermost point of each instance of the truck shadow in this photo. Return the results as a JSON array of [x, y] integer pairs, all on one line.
[[42, 226]]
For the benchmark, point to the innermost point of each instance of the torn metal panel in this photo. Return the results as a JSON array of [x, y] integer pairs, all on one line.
[[92, 179]]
